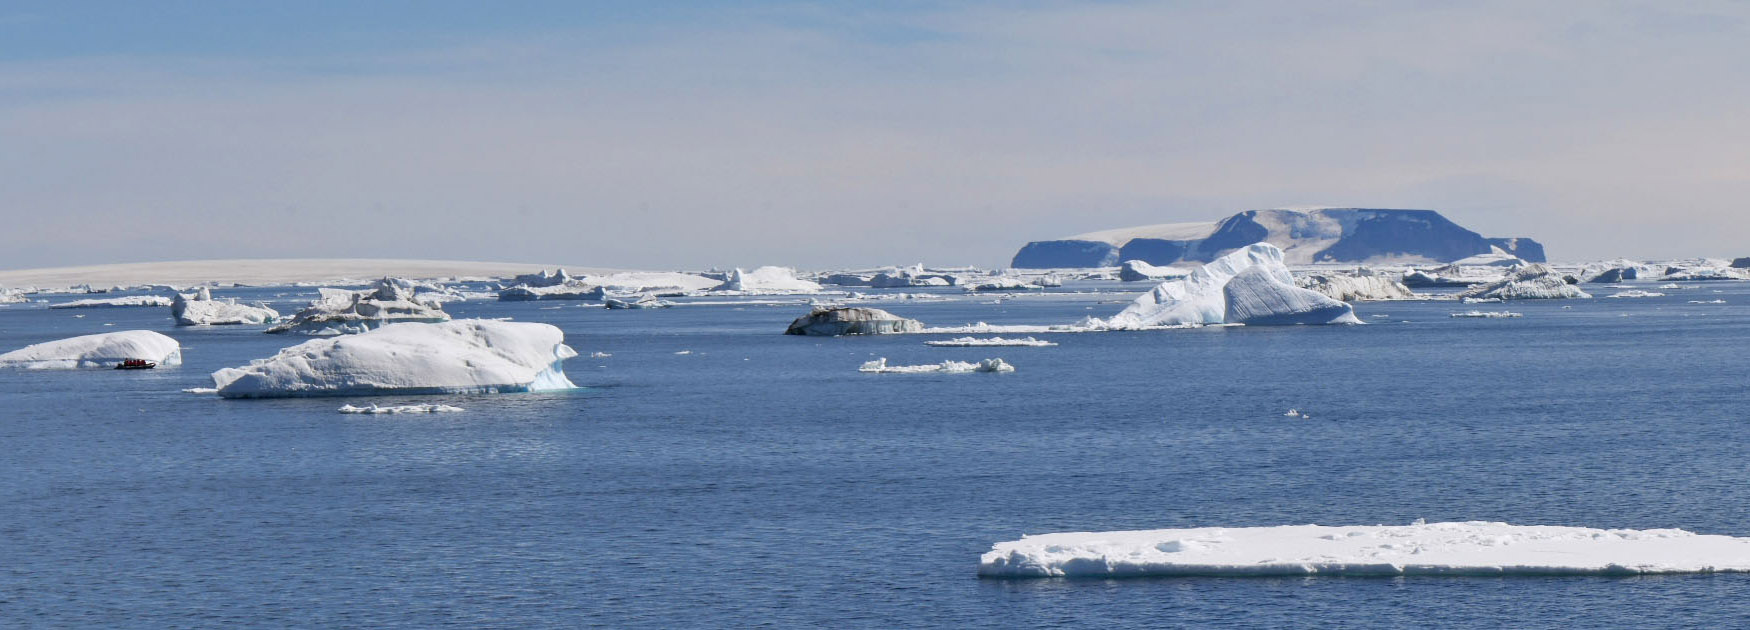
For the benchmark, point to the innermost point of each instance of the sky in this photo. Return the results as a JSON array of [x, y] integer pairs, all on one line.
[[689, 135]]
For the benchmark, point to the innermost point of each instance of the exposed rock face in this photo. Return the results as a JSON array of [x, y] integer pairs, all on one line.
[[1305, 236], [844, 320]]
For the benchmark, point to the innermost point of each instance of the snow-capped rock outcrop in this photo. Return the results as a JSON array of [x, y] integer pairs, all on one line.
[[1305, 236], [132, 300], [388, 301], [96, 351], [1247, 286], [1365, 287], [767, 280], [463, 356], [200, 309], [1139, 271], [1527, 282], [851, 320]]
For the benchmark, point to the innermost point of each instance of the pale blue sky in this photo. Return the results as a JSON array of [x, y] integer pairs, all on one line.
[[684, 135]]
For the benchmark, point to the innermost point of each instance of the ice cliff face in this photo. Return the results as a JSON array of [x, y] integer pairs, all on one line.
[[96, 351], [463, 356], [1248, 286], [200, 309], [1305, 236]]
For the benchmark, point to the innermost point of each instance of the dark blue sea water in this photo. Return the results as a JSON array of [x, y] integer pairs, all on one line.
[[761, 481]]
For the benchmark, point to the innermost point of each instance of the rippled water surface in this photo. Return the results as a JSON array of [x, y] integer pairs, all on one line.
[[759, 479]]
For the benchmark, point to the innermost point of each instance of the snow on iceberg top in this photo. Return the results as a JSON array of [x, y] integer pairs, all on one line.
[[1468, 548], [96, 351], [1250, 285], [462, 356]]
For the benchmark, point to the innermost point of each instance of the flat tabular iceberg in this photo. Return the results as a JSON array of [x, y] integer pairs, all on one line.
[[1248, 286], [200, 309], [1470, 548], [463, 356], [767, 280], [132, 300], [96, 351]]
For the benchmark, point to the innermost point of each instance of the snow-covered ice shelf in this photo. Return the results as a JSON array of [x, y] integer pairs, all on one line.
[[1467, 548]]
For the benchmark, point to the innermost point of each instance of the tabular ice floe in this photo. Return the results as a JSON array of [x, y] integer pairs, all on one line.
[[1468, 548], [339, 312], [640, 302], [1003, 284], [132, 300], [1528, 282], [975, 342], [1361, 287], [9, 296], [1248, 286], [463, 356], [1487, 314], [200, 309], [851, 320], [880, 366], [1636, 293], [397, 409], [767, 280], [104, 350]]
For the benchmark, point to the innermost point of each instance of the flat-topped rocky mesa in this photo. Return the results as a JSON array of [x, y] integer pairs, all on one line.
[[1356, 235]]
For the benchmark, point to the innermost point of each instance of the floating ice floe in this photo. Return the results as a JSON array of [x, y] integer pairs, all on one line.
[[851, 320], [104, 350], [1528, 282], [1003, 284], [1355, 288], [200, 309], [374, 409], [1487, 314], [880, 366], [339, 312], [10, 296], [463, 356], [132, 300], [1467, 548], [975, 342], [1636, 293], [1707, 301], [640, 302], [1249, 286]]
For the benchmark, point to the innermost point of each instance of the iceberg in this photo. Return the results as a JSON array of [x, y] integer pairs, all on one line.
[[339, 312], [1487, 314], [880, 366], [640, 302], [1003, 284], [1474, 548], [1527, 282], [104, 350], [1248, 286], [1362, 287], [462, 356], [851, 320], [200, 309], [398, 409], [1139, 271], [1635, 293], [768, 280], [132, 300], [10, 296], [975, 342]]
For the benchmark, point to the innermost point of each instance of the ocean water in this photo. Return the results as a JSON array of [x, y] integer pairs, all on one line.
[[759, 480]]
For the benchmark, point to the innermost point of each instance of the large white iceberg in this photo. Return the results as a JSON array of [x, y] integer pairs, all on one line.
[[338, 312], [96, 351], [463, 356], [768, 280], [1248, 286], [1468, 548], [200, 309], [1527, 282], [1362, 287], [132, 300]]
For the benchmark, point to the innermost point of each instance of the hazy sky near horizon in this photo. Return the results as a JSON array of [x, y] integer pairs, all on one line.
[[695, 134]]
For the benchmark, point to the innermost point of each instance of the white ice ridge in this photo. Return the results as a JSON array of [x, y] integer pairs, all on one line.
[[96, 351], [975, 342], [200, 309], [880, 366], [132, 300], [1249, 286], [1468, 548], [374, 409], [1487, 314], [462, 356]]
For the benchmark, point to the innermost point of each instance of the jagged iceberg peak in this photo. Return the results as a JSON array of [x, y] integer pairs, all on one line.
[[1528, 282], [463, 356], [1250, 285], [388, 301], [851, 320], [200, 309], [96, 351]]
